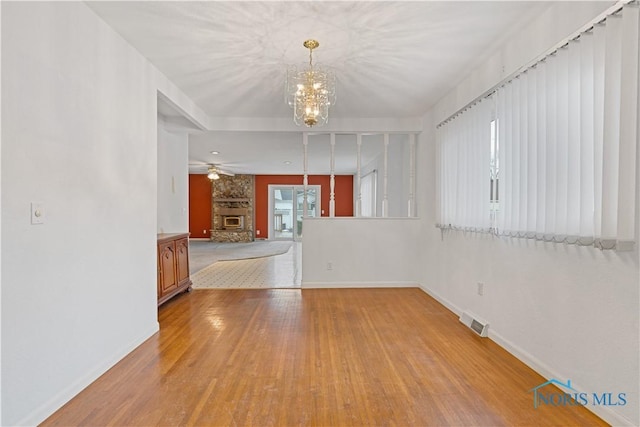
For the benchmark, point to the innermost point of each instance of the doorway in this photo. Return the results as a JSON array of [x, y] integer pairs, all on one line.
[[286, 209]]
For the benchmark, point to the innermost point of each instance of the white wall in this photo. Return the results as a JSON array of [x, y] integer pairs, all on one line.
[[569, 312], [558, 22], [173, 180], [397, 177], [0, 235], [80, 135], [363, 252], [377, 165]]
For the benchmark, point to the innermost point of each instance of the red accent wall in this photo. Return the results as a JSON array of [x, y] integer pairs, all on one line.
[[343, 196], [199, 206]]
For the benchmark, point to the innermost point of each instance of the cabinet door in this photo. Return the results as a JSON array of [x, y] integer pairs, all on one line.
[[182, 260], [168, 280]]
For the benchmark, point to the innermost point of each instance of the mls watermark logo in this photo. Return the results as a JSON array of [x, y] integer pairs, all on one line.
[[568, 396]]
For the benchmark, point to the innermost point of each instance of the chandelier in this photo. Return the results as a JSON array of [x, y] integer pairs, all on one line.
[[310, 91]]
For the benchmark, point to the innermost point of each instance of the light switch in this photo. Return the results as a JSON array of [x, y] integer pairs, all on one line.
[[37, 213]]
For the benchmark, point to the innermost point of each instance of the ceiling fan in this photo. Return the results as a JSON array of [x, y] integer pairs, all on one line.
[[213, 171]]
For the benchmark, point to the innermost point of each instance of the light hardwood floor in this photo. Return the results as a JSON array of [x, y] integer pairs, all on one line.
[[329, 357]]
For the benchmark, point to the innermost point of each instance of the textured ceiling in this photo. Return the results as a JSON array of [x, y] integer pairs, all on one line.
[[391, 59]]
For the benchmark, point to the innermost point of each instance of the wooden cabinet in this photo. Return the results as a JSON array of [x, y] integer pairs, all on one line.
[[173, 265]]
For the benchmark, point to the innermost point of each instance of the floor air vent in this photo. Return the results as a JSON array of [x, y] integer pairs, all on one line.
[[480, 327]]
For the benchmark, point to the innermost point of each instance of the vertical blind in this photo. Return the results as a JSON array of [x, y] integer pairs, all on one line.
[[567, 132], [464, 144]]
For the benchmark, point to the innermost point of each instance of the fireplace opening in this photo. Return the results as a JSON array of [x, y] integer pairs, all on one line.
[[230, 222]]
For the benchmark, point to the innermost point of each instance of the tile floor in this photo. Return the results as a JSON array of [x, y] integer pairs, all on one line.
[[280, 271]]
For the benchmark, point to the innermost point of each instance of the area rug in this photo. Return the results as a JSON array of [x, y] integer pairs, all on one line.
[[205, 253]]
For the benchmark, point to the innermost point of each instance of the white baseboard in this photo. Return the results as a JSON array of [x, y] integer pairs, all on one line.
[[537, 365], [337, 285], [548, 373], [453, 308], [65, 395]]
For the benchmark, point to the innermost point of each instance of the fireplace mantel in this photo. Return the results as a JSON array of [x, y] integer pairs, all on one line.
[[233, 200]]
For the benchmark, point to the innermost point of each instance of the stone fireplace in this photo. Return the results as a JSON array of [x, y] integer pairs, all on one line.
[[232, 208]]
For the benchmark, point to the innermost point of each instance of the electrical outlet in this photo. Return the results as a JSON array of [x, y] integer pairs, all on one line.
[[480, 288], [329, 265], [257, 232], [204, 231]]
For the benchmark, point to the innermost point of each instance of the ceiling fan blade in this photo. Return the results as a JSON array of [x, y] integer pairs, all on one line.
[[207, 167]]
